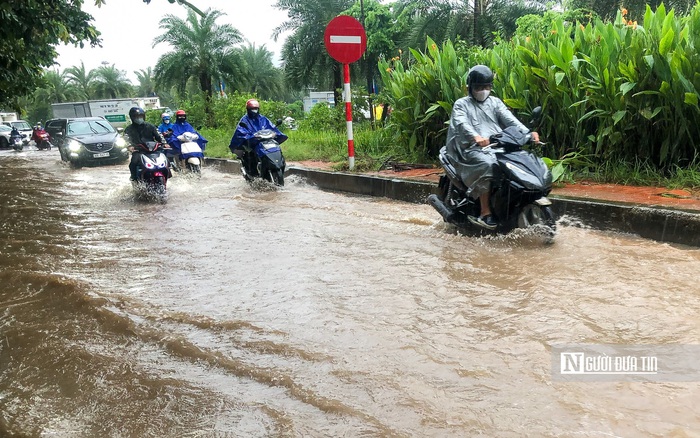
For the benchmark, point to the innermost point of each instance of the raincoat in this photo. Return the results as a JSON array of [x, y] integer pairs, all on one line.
[[181, 128], [469, 119], [248, 126]]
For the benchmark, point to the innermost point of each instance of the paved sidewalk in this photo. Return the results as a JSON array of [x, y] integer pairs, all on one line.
[[634, 195]]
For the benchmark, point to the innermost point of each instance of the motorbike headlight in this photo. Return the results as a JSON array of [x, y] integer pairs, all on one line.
[[74, 146], [517, 170], [120, 142]]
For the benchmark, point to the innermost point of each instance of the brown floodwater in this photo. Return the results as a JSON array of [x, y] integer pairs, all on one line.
[[240, 311]]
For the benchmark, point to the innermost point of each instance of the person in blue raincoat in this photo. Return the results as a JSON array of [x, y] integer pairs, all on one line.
[[249, 124], [167, 125], [180, 127]]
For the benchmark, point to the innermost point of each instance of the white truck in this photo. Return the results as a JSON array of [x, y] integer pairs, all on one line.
[[116, 111]]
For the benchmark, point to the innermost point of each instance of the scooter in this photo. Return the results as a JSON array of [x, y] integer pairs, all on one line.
[[263, 159], [519, 188], [42, 140], [152, 172], [17, 143], [191, 153]]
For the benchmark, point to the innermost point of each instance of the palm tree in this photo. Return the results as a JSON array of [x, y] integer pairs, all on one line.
[[261, 76], [202, 50], [82, 79], [111, 83], [474, 21], [306, 62], [147, 83], [56, 88]]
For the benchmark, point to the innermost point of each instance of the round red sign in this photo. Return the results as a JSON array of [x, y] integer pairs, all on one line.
[[345, 39]]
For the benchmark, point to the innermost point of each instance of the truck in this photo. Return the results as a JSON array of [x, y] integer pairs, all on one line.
[[8, 117], [115, 111]]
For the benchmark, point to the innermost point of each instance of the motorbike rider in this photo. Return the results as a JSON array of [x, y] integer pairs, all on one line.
[[15, 134], [180, 127], [37, 132], [139, 132], [166, 125], [249, 124], [475, 118]]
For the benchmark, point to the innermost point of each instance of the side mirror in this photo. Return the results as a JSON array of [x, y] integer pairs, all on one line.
[[278, 122], [198, 128], [120, 130], [243, 124], [536, 116]]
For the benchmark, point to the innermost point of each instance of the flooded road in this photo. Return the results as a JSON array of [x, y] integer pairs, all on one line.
[[231, 311]]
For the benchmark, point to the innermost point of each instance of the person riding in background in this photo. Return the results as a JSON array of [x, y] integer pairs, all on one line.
[[249, 124], [37, 132], [139, 132], [180, 127], [14, 133], [166, 124], [475, 118]]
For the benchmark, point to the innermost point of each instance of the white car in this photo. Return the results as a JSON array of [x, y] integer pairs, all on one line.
[[23, 127]]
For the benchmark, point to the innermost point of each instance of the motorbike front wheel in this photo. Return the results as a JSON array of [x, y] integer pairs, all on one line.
[[277, 177], [536, 215]]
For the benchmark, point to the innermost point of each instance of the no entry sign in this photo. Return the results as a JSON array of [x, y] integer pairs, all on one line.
[[345, 39]]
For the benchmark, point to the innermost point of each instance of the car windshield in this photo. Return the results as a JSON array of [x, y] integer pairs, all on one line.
[[21, 125], [85, 127]]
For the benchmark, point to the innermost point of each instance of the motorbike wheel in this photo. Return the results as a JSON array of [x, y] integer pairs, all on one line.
[[195, 168], [533, 215], [160, 190], [277, 177]]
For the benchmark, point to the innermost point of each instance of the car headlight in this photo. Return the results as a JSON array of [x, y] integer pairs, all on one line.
[[120, 142], [74, 146]]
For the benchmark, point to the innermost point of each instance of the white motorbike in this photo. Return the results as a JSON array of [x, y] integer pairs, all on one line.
[[191, 152]]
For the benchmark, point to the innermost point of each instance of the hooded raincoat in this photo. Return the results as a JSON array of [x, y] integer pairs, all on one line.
[[469, 119], [248, 126]]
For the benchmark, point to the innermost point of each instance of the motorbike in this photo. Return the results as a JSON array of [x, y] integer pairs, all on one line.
[[191, 153], [42, 140], [152, 172], [519, 188], [17, 143], [263, 159]]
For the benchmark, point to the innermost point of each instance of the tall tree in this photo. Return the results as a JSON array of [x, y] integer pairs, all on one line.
[[261, 76], [29, 33], [147, 82], [56, 88], [202, 50], [82, 79], [111, 83], [306, 62]]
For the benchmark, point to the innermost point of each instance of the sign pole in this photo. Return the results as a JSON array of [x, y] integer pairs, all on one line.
[[348, 115], [346, 40]]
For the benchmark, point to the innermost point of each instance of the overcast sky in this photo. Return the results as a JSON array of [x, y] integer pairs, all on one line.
[[128, 28]]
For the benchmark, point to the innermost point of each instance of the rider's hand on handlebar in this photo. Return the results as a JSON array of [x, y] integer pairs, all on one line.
[[481, 141], [535, 137]]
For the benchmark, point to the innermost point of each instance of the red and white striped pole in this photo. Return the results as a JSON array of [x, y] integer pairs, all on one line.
[[348, 116]]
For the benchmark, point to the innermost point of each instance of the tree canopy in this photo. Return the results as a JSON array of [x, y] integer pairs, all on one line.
[[29, 33]]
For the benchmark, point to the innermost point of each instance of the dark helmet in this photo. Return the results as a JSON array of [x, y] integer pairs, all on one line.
[[479, 75], [136, 111]]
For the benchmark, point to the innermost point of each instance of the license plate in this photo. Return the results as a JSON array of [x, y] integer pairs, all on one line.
[[101, 155]]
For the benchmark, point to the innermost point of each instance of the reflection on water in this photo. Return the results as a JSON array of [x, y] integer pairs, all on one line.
[[297, 312]]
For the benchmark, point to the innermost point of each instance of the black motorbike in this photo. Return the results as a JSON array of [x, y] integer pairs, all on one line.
[[263, 158], [519, 188], [152, 172]]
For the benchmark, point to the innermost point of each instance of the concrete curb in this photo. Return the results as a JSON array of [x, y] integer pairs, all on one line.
[[657, 223]]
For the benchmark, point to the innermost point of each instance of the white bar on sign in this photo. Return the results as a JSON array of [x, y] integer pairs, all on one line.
[[346, 39]]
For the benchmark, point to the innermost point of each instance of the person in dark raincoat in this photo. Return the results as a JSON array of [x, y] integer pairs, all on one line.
[[249, 124], [139, 132], [475, 118]]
